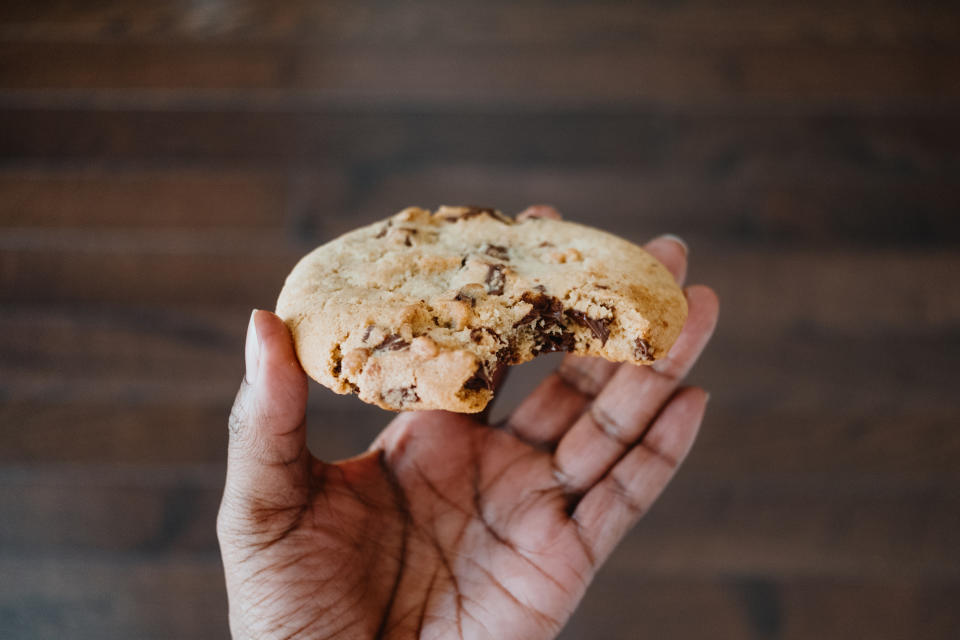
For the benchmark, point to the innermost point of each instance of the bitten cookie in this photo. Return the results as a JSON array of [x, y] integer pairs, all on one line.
[[419, 310]]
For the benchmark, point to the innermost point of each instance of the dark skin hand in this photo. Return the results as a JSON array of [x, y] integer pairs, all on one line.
[[448, 527]]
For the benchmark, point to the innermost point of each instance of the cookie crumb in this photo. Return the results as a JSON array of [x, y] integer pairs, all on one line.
[[642, 350], [495, 279], [354, 360], [393, 342], [423, 347]]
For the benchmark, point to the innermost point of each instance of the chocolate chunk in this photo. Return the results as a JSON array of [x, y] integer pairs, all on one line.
[[337, 356], [546, 316], [406, 241], [480, 380], [599, 327], [601, 286], [495, 279], [507, 355], [383, 231], [642, 351], [540, 288], [463, 262], [366, 334], [497, 251], [393, 342], [550, 342], [462, 297], [400, 396], [546, 308], [477, 334]]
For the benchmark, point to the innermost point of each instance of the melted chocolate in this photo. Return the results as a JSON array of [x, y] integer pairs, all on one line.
[[546, 316], [462, 297], [393, 342], [495, 279], [546, 308], [599, 327], [480, 380], [477, 334], [401, 396], [642, 350], [497, 251], [550, 342]]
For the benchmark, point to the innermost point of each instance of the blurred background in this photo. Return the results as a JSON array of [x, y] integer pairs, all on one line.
[[164, 165]]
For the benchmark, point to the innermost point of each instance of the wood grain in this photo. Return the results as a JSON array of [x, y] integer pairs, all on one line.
[[162, 167], [159, 198], [788, 525], [497, 22], [127, 595], [709, 142], [480, 75], [756, 201]]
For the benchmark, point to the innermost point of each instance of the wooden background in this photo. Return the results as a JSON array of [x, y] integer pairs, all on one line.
[[163, 165]]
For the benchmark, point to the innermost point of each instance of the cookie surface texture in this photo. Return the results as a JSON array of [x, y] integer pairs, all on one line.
[[418, 311]]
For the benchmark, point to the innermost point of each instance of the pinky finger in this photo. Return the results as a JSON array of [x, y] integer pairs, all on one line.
[[629, 489]]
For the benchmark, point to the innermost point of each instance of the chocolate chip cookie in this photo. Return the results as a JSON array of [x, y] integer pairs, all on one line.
[[418, 311]]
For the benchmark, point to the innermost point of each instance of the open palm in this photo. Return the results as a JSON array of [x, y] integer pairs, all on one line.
[[448, 527]]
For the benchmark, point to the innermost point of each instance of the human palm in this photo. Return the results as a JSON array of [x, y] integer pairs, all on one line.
[[447, 527]]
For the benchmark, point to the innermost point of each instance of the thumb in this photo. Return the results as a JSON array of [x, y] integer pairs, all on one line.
[[268, 463]]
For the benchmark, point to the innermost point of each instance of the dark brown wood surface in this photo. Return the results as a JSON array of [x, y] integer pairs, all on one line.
[[163, 165]]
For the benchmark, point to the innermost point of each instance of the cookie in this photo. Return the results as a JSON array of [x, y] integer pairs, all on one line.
[[418, 311]]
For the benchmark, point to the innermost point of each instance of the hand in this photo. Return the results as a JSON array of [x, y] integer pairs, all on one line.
[[447, 527]]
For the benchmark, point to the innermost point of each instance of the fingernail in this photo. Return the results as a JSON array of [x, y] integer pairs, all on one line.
[[678, 240], [706, 400], [252, 350]]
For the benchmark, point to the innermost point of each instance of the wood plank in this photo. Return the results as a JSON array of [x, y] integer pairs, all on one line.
[[853, 524], [125, 433], [753, 203], [96, 341], [496, 23], [804, 417], [113, 597], [253, 273], [826, 374], [872, 441], [732, 444], [484, 75], [837, 525], [180, 514], [904, 290], [624, 606], [139, 382], [801, 353], [161, 197], [756, 201], [123, 597], [378, 141]]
